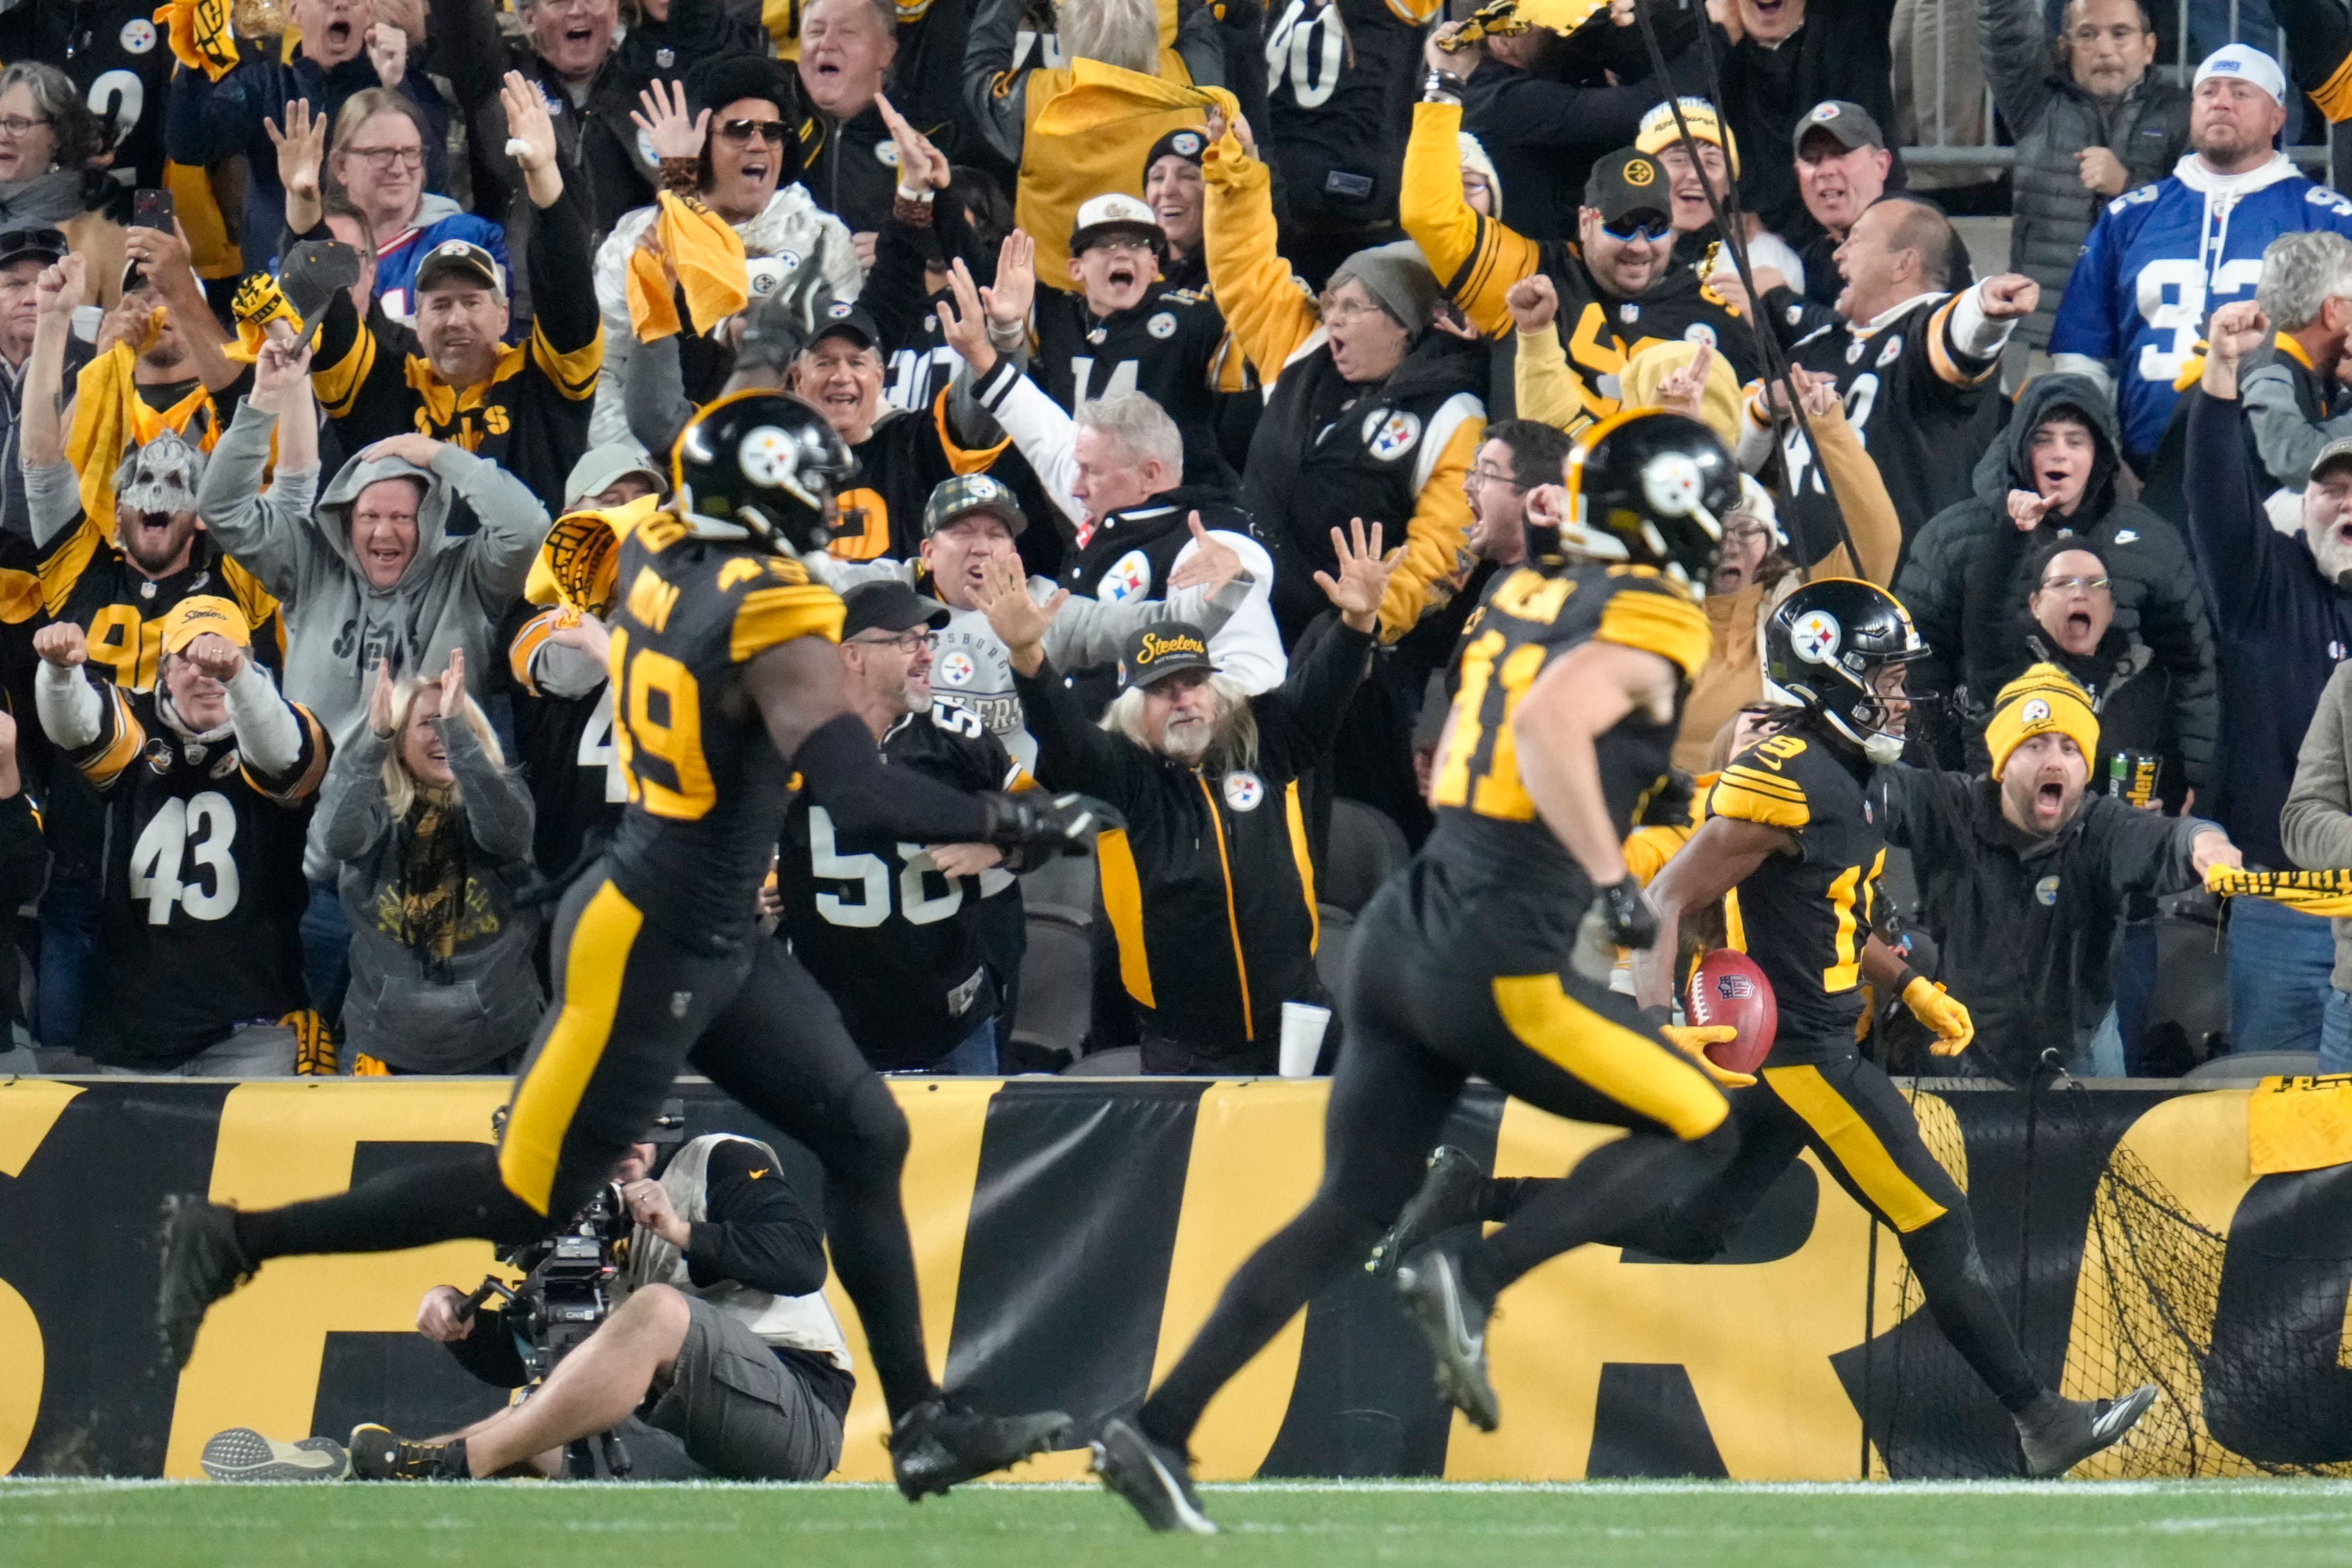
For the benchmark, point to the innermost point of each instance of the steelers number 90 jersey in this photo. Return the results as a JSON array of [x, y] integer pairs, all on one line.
[[706, 789], [1804, 917], [1483, 810]]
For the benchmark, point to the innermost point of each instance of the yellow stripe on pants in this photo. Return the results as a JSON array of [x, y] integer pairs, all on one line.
[[549, 1094], [1858, 1148], [1604, 1055]]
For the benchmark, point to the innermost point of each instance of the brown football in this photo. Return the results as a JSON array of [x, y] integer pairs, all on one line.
[[1727, 989]]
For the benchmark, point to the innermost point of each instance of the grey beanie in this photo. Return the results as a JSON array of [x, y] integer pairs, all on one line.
[[1397, 279]]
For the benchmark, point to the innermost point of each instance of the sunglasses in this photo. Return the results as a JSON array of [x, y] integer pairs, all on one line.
[[741, 130], [2066, 584], [1628, 234]]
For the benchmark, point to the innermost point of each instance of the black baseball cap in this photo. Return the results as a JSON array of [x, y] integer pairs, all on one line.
[[32, 242], [845, 318], [1163, 649], [1627, 182], [1848, 124], [889, 606]]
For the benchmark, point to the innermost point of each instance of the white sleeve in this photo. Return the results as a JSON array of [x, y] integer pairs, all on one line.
[[1248, 648], [1047, 438], [1975, 334], [267, 731], [69, 705]]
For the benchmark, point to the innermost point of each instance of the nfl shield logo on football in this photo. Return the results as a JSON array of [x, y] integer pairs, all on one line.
[[1243, 791]]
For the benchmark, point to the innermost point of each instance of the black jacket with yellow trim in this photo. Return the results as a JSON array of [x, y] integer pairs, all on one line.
[[530, 417], [1209, 887]]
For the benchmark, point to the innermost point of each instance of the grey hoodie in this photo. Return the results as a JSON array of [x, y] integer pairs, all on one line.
[[338, 624]]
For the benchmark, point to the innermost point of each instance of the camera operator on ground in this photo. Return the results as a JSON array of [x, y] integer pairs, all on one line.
[[721, 1357]]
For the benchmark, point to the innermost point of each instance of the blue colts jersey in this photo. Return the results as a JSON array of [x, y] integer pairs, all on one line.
[[2159, 261]]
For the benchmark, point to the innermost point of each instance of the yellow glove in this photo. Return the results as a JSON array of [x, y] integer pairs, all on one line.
[[1693, 1042], [1942, 1013]]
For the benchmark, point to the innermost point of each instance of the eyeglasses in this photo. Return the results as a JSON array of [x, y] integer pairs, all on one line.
[[913, 641], [1115, 243], [1340, 312], [1496, 476], [741, 130], [1745, 533], [2067, 584], [1651, 232], [17, 125], [383, 158]]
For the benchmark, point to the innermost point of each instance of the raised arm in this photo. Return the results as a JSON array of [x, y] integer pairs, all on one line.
[[1270, 315], [1477, 259], [497, 803], [40, 421]]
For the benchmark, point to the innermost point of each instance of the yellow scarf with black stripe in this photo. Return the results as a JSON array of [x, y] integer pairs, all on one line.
[[2327, 893], [200, 35], [705, 253]]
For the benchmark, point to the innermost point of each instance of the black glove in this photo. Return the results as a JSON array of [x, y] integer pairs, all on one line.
[[1626, 917], [1051, 824]]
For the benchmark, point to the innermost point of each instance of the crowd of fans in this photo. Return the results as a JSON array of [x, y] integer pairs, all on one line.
[[1200, 361]]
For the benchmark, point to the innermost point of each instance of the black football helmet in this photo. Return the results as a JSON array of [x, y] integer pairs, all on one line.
[[1645, 487], [766, 462], [1823, 649]]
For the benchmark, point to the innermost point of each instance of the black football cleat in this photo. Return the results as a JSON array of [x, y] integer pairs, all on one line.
[[202, 1263], [1450, 1198], [940, 1444], [1155, 1479], [2059, 1434], [381, 1454], [1453, 1321], [241, 1454]]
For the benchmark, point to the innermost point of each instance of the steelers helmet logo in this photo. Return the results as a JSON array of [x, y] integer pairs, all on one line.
[[1184, 143], [767, 456], [838, 310], [1243, 791], [1816, 636], [1891, 352], [954, 667], [1392, 436], [138, 36], [886, 154], [1162, 325], [1641, 172], [1700, 332], [1672, 484], [1825, 113], [2035, 711]]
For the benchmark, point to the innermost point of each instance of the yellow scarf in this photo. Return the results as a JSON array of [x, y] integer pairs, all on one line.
[[707, 256], [2327, 893], [259, 301], [110, 418], [1089, 127], [200, 35]]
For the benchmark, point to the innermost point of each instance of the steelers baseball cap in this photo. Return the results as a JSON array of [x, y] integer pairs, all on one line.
[[969, 493], [2247, 63], [1658, 131], [463, 260], [846, 319], [201, 612], [1848, 124], [1163, 649], [1627, 183], [1116, 214], [888, 605]]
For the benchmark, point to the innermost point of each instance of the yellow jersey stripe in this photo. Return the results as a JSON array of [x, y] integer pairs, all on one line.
[[1122, 892], [63, 568], [1856, 1148], [549, 1096], [529, 640], [964, 459], [1667, 625], [1947, 368], [1296, 821], [1764, 784], [2334, 96], [129, 736], [338, 385], [1730, 799], [774, 615], [574, 374], [1647, 1078]]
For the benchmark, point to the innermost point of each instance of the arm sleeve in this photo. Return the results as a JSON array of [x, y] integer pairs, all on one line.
[[1045, 434], [2227, 525], [265, 531], [1322, 683], [1072, 752], [567, 329], [2015, 46], [995, 97], [1094, 630], [357, 813], [759, 1233], [1439, 528], [1544, 385], [1475, 259], [2321, 63], [1270, 315], [1970, 339], [1248, 647], [498, 803], [2173, 621], [653, 391], [2287, 440], [1861, 499], [2145, 852], [514, 525], [893, 293], [488, 1352], [268, 732], [52, 498], [1199, 43], [2315, 825], [72, 714]]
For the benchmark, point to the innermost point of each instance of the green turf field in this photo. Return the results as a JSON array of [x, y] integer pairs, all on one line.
[[1671, 1525]]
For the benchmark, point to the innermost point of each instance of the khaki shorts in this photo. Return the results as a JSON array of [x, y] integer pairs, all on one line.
[[739, 1412]]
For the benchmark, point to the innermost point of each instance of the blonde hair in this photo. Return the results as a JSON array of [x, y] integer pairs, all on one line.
[[401, 787], [1122, 32], [1232, 738]]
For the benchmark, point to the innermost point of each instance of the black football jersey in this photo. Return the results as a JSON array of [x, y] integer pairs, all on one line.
[[204, 895], [120, 61], [1804, 917], [707, 790], [897, 943], [1924, 410], [1166, 347], [564, 746], [1339, 76], [1486, 818], [1600, 332]]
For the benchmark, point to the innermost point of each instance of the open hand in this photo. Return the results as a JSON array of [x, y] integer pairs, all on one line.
[[672, 132], [409, 446], [963, 322], [1363, 579], [302, 149], [921, 166], [531, 132], [1019, 621], [453, 684], [1008, 300], [380, 703], [1212, 564]]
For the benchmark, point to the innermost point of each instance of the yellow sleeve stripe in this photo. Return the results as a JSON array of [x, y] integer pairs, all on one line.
[[528, 641], [574, 374], [964, 459], [1670, 627], [305, 783], [63, 567], [1734, 799], [1764, 783], [776, 615], [1947, 368], [2334, 96], [338, 385], [20, 596], [107, 766]]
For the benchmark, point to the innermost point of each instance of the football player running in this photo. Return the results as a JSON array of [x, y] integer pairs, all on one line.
[[726, 684], [1496, 942]]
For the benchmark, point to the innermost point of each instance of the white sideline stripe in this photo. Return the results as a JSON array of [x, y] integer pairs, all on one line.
[[13, 1487]]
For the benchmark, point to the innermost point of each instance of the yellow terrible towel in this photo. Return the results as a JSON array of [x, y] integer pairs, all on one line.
[[2327, 893], [110, 418], [706, 255]]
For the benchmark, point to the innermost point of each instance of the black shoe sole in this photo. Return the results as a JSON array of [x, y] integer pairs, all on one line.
[[1156, 1494], [1049, 1431]]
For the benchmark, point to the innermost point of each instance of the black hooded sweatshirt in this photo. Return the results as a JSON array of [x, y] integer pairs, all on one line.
[[1967, 580]]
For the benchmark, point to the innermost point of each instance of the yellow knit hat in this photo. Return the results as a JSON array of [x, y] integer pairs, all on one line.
[[2043, 699]]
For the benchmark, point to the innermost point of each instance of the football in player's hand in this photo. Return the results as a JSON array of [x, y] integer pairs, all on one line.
[[1728, 989]]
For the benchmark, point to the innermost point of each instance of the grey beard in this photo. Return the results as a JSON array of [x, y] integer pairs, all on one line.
[[2333, 555], [1189, 745]]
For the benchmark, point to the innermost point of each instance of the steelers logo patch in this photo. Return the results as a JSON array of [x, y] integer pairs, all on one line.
[[1887, 355], [1700, 332], [886, 154], [838, 310], [1162, 325], [2046, 890], [762, 277], [1185, 144], [1641, 172], [1129, 577], [954, 668], [767, 455], [1391, 435], [138, 36], [2035, 711], [1671, 484], [1816, 636], [1243, 791]]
